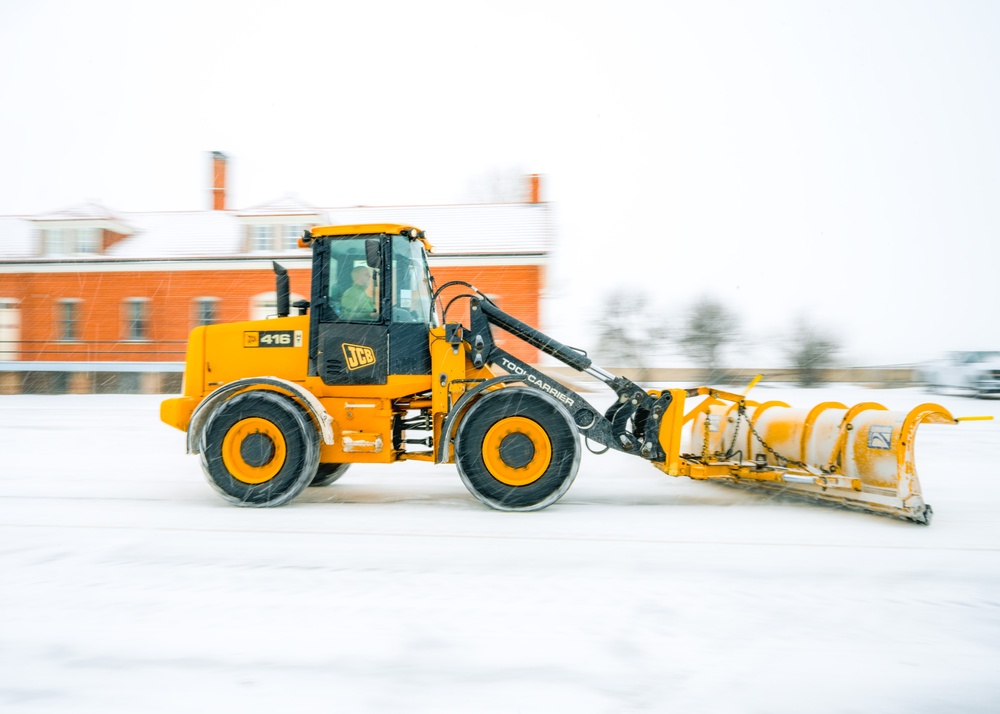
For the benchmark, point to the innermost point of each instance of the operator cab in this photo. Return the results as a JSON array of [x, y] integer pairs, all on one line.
[[372, 306]]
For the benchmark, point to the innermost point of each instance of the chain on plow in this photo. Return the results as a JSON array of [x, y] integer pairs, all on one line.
[[741, 415]]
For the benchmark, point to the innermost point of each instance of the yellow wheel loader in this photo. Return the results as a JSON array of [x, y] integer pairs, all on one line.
[[371, 371]]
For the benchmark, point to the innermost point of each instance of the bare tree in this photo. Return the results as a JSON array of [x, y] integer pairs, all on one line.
[[709, 327], [810, 351], [627, 333]]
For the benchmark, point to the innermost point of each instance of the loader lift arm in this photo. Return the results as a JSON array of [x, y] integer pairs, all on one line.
[[630, 425]]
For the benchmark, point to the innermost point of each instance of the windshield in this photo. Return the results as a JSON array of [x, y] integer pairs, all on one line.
[[411, 286]]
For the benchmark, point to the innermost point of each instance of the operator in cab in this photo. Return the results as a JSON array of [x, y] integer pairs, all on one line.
[[358, 302]]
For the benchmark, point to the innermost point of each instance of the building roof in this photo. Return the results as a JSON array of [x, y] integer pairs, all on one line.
[[284, 206], [516, 228], [82, 212], [181, 234], [474, 229]]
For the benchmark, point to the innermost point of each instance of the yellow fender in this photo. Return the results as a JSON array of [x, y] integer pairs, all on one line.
[[199, 418]]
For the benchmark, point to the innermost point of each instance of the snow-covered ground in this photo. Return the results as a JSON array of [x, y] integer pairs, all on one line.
[[128, 585]]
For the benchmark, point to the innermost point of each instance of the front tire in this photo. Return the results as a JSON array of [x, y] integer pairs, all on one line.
[[259, 449], [517, 449]]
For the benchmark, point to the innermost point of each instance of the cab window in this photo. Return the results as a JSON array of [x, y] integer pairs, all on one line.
[[353, 285], [411, 286]]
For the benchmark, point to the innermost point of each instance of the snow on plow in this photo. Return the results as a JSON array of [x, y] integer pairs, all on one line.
[[860, 457]]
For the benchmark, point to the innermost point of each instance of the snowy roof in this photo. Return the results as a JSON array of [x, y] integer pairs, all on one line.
[[510, 228], [466, 229], [83, 212], [182, 234], [284, 206]]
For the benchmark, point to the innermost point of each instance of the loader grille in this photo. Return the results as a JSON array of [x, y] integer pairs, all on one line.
[[333, 368]]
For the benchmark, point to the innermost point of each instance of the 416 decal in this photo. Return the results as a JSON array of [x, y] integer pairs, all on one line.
[[272, 338]]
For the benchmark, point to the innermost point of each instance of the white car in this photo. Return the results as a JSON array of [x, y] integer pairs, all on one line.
[[978, 372]]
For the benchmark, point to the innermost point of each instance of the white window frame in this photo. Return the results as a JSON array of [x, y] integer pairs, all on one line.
[[57, 239], [127, 327], [88, 241], [290, 233], [61, 321], [199, 303], [10, 329], [261, 238]]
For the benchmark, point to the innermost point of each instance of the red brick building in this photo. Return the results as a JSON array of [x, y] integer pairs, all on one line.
[[92, 300]]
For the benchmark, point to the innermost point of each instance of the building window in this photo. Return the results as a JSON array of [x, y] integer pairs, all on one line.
[[137, 319], [206, 311], [55, 241], [261, 238], [68, 320], [88, 241], [72, 241], [59, 383], [10, 329], [292, 233], [128, 383]]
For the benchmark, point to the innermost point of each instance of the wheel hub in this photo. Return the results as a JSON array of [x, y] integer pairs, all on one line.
[[253, 450], [516, 450], [257, 449]]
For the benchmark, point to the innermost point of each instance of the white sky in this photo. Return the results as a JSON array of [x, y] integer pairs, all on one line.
[[838, 160]]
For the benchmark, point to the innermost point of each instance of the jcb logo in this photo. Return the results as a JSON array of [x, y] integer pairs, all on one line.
[[358, 356]]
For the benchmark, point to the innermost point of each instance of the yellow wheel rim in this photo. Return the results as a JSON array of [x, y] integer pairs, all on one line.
[[253, 450], [517, 451]]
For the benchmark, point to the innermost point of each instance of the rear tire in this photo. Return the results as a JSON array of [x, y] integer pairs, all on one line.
[[328, 473], [517, 449], [259, 449]]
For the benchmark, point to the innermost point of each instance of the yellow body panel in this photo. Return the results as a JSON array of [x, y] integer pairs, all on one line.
[[453, 375], [362, 428], [671, 425], [177, 411], [236, 350], [362, 415]]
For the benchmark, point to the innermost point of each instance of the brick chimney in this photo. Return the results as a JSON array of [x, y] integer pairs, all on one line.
[[219, 181], [534, 188]]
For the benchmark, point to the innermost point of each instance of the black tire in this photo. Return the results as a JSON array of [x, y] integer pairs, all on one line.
[[259, 449], [328, 473], [517, 449]]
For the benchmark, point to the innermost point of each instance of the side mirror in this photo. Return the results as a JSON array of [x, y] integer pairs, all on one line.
[[372, 253]]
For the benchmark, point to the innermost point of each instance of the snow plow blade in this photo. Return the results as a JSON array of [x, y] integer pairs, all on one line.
[[860, 457]]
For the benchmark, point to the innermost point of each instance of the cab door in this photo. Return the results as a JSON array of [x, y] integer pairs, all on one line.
[[349, 343], [375, 312]]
